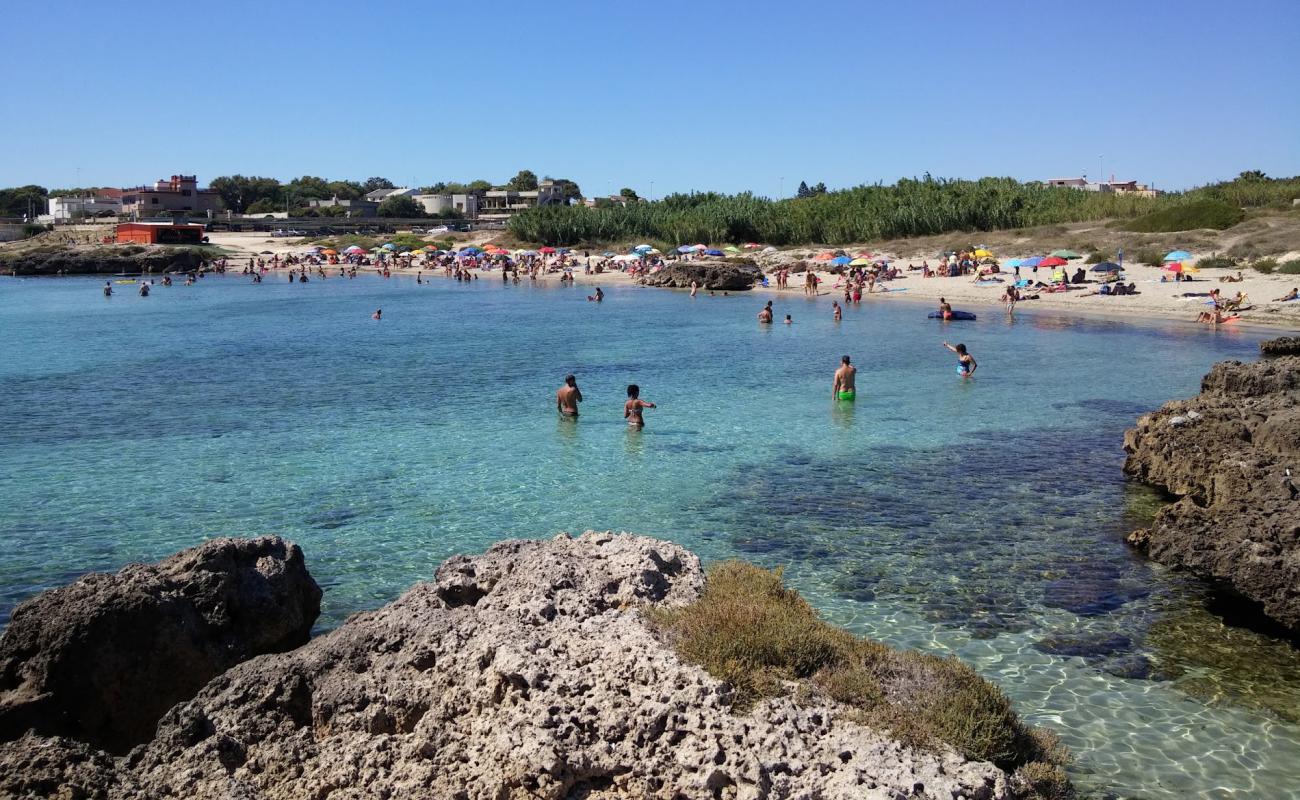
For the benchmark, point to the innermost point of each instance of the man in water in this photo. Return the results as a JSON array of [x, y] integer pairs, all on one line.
[[379, 314], [632, 408], [108, 288], [838, 314], [765, 316], [945, 309], [845, 386], [568, 397]]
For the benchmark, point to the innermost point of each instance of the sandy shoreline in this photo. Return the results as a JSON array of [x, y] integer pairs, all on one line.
[[1156, 300]]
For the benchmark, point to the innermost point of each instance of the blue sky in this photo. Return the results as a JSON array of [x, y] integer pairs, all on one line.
[[689, 95]]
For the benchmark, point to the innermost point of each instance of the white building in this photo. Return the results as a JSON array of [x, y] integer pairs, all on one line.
[[380, 195], [66, 209], [466, 204]]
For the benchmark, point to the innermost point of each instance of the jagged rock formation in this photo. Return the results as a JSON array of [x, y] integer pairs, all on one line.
[[1232, 457], [1281, 346], [103, 659], [716, 275], [131, 260], [525, 672]]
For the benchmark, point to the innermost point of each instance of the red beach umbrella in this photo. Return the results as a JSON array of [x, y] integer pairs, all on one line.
[[547, 250], [1053, 261]]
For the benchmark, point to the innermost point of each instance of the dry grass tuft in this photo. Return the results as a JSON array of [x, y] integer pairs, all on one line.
[[751, 631]]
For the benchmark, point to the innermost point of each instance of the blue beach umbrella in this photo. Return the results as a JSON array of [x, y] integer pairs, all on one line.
[[1032, 261], [1107, 266], [641, 248], [1013, 262], [471, 250], [1178, 255], [686, 248], [841, 261], [712, 252], [390, 246]]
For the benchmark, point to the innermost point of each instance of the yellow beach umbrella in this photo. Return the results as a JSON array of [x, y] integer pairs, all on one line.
[[859, 262], [982, 253]]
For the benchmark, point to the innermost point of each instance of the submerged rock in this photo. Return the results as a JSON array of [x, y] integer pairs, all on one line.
[[1232, 457], [103, 659], [525, 672], [718, 275]]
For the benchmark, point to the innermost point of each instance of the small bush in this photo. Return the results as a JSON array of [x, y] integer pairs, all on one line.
[[1149, 256], [751, 631], [1039, 781], [1217, 262], [1264, 265], [1213, 214], [1291, 267], [1097, 258]]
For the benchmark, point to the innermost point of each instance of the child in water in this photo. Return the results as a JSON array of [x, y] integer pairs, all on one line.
[[632, 408], [965, 361]]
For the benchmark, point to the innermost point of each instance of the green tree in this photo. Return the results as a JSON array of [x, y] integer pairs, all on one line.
[[628, 194], [478, 186], [400, 206], [434, 188], [22, 200], [374, 184], [820, 188], [263, 206], [239, 192], [308, 186], [1252, 175], [346, 190], [524, 181], [803, 191], [570, 189]]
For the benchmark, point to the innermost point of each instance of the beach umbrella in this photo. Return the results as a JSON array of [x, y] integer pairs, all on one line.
[[330, 252], [1107, 266], [389, 246], [1177, 266], [266, 253], [651, 252], [1053, 261], [860, 262], [1013, 262], [752, 245], [1032, 261], [1066, 254], [823, 256], [354, 249], [644, 247], [1178, 255], [840, 261], [731, 248], [713, 252], [701, 247], [546, 250], [769, 249], [982, 253], [686, 248]]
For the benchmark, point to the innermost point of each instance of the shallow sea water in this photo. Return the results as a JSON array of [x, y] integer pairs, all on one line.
[[981, 519]]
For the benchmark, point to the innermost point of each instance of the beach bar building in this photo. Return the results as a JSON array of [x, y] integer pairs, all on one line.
[[146, 233]]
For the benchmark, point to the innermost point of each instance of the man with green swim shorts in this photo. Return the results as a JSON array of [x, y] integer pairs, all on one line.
[[845, 387]]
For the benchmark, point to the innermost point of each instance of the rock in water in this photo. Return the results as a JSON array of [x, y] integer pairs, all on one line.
[[129, 259], [103, 659], [1232, 456], [526, 672], [717, 275], [1281, 346]]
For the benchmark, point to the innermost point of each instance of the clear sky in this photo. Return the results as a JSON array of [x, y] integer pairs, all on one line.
[[726, 96]]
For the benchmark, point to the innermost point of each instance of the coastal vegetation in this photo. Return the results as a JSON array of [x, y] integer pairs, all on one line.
[[749, 629], [911, 207], [1214, 214]]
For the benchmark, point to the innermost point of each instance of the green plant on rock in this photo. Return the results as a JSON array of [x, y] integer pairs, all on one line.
[[751, 631]]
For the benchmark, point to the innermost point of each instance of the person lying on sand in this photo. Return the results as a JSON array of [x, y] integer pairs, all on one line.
[[1212, 317], [1231, 279], [1288, 297]]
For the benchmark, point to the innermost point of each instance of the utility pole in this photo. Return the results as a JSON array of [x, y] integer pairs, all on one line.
[[1101, 167]]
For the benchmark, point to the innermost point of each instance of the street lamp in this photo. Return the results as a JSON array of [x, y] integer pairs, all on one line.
[[1101, 171]]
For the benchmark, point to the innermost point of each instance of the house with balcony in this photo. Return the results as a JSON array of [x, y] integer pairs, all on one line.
[[179, 194], [504, 203]]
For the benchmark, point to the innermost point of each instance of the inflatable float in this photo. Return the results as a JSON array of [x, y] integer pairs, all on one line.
[[966, 315]]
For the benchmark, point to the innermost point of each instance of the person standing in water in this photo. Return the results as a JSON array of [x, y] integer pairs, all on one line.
[[108, 288], [765, 316], [695, 287], [945, 309], [965, 361], [568, 397], [845, 386], [839, 314], [632, 408], [379, 314]]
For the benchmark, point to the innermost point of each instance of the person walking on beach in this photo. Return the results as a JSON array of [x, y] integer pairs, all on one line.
[[568, 397], [845, 385], [632, 408], [965, 361]]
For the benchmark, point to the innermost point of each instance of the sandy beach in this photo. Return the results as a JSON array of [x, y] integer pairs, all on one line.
[[1155, 300]]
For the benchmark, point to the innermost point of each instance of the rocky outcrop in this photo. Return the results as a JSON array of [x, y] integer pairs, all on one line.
[[1281, 346], [128, 260], [103, 659], [1232, 458], [717, 275], [527, 672]]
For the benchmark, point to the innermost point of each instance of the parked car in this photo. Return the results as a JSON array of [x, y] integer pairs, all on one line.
[[297, 233]]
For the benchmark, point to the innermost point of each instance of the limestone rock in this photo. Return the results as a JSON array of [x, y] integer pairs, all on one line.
[[103, 659], [1232, 457], [128, 260], [526, 672], [1281, 346], [716, 275]]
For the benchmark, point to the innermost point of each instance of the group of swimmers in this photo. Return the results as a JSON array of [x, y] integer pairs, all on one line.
[[569, 395]]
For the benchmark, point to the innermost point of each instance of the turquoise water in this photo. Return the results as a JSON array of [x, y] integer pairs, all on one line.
[[984, 519]]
